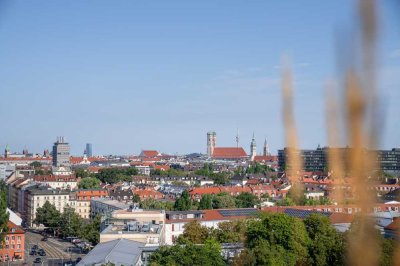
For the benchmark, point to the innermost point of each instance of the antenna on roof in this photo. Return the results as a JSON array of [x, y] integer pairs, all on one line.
[[237, 138]]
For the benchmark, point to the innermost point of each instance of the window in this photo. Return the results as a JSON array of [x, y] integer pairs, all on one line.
[[18, 246], [13, 237]]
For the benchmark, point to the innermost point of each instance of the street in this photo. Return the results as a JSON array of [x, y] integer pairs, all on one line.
[[58, 251]]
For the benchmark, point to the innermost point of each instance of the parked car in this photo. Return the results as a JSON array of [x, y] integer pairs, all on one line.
[[38, 260], [76, 241], [33, 252], [35, 247], [44, 238], [78, 259]]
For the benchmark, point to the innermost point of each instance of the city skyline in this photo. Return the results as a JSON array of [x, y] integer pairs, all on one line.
[[133, 76]]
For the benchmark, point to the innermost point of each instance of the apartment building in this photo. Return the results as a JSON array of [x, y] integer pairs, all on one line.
[[37, 196], [13, 247], [83, 197]]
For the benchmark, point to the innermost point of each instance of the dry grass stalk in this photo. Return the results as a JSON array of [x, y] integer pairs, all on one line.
[[362, 133], [294, 162], [335, 157]]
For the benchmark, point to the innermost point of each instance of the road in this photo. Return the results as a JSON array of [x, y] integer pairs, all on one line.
[[57, 250]]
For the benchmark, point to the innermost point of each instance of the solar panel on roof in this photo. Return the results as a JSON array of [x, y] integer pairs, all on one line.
[[303, 213], [238, 212]]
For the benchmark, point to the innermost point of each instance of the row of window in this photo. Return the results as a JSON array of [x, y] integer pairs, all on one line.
[[12, 246], [54, 197], [12, 238]]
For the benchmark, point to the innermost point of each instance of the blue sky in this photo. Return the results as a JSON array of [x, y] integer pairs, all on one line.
[[132, 75]]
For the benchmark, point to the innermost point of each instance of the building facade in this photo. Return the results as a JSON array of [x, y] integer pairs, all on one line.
[[36, 197], [83, 197], [13, 248], [61, 153], [317, 160], [89, 151]]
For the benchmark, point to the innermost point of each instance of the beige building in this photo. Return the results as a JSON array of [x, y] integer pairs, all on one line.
[[138, 225], [36, 197], [83, 197]]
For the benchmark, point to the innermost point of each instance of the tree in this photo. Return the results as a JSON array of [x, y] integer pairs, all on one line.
[[49, 216], [246, 200], [327, 245], [71, 223], [153, 204], [223, 201], [230, 232], [4, 215], [36, 164], [91, 231], [184, 203], [194, 233], [205, 202], [114, 175], [135, 198], [89, 183], [285, 235], [286, 201], [82, 173], [188, 255]]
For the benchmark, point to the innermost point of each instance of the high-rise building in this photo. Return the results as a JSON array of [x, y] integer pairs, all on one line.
[[61, 153], [253, 148], [211, 142], [89, 150]]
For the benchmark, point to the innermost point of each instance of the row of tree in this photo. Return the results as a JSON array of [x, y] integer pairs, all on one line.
[[273, 239], [4, 215], [107, 175], [207, 202], [68, 223]]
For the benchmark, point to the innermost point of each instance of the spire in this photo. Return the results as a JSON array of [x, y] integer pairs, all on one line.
[[237, 138], [266, 149]]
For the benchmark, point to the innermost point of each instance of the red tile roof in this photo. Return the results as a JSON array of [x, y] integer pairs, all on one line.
[[148, 193], [161, 167], [18, 229], [204, 190], [88, 193], [54, 178], [229, 153], [27, 159], [269, 158], [235, 190], [149, 153]]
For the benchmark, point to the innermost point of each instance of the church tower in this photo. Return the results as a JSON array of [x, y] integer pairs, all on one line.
[[7, 152], [253, 148], [266, 149], [211, 142]]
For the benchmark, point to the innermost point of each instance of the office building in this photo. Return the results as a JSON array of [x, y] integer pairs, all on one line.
[[317, 160], [89, 151], [61, 153]]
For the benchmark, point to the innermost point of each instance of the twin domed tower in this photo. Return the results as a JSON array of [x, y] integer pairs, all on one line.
[[253, 148], [212, 141]]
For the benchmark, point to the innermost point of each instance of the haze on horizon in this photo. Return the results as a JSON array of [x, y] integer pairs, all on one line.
[[129, 75]]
